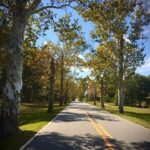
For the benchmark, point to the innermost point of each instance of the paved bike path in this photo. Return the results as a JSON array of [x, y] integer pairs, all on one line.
[[81, 126]]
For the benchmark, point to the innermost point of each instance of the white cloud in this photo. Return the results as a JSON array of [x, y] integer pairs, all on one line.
[[144, 69]]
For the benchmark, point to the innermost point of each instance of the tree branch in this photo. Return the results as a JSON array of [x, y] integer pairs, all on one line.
[[34, 5], [2, 4], [47, 7]]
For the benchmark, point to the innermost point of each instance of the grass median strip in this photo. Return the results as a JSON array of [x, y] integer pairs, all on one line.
[[102, 132]]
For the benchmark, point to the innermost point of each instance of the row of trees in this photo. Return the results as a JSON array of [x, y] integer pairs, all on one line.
[[42, 71], [22, 22], [118, 27], [118, 32], [137, 91], [43, 78]]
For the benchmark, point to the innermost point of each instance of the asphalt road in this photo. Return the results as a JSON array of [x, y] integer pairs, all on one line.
[[83, 127]]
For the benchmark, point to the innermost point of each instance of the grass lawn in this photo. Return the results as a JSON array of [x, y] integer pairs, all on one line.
[[137, 115], [32, 118]]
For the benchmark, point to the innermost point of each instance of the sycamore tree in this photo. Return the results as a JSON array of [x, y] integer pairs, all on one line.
[[118, 26], [72, 43], [100, 62], [19, 13]]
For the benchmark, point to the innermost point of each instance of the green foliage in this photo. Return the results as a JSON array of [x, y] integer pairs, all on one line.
[[118, 28], [37, 25], [35, 77], [114, 20], [138, 90]]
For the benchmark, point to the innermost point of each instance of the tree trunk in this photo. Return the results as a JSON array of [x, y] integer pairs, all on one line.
[[52, 81], [94, 101], [139, 101], [120, 80], [120, 98], [94, 94], [13, 85], [101, 94], [62, 81], [66, 93]]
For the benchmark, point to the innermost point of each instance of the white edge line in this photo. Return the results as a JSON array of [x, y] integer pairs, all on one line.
[[23, 146], [123, 118]]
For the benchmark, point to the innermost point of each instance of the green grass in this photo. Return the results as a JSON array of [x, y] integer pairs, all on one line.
[[32, 118], [137, 115]]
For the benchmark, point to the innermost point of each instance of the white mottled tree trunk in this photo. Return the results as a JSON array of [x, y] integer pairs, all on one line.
[[94, 92], [13, 85]]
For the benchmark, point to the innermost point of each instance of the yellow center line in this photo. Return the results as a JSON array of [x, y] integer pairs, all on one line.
[[103, 134], [104, 131]]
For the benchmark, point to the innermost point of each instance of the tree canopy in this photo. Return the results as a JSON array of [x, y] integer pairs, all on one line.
[[43, 73]]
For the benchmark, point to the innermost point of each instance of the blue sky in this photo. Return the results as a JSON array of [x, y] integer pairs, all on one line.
[[87, 27]]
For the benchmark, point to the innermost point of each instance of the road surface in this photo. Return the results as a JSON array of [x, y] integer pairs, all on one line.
[[83, 127]]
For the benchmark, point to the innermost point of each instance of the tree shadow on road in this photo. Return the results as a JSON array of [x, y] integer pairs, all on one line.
[[144, 145], [84, 107], [55, 141], [70, 117], [103, 117]]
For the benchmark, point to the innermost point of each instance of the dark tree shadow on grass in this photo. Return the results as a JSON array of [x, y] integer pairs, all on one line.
[[14, 142], [37, 116], [143, 116]]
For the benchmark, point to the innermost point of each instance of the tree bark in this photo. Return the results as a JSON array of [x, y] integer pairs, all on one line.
[[94, 94], [13, 85], [62, 81], [66, 93], [94, 101], [52, 81], [120, 80], [120, 98], [101, 93]]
